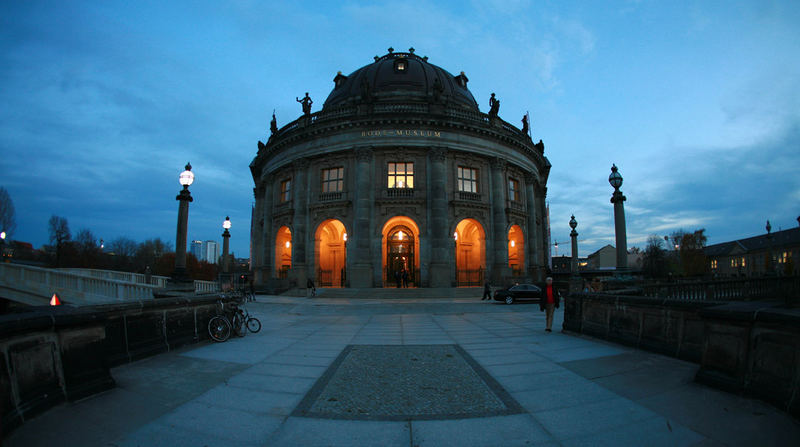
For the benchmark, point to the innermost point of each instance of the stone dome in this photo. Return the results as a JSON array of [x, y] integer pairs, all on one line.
[[401, 77]]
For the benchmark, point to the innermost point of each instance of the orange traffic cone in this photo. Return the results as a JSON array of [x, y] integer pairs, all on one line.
[[55, 301]]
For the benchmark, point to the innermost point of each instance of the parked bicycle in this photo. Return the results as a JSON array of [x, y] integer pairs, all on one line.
[[231, 317]]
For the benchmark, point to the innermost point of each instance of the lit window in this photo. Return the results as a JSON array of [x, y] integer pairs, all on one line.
[[401, 175], [467, 179], [743, 263], [714, 264], [332, 180], [513, 190], [286, 190], [733, 262]]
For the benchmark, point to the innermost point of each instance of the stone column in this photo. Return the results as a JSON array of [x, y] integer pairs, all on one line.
[[442, 258], [300, 222], [500, 268], [268, 247], [359, 270], [544, 231], [619, 228], [226, 236], [180, 276], [532, 232], [573, 268]]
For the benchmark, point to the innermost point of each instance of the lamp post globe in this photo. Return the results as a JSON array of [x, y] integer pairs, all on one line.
[[187, 176], [615, 178]]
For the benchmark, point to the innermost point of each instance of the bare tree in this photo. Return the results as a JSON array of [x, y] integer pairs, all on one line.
[[8, 221], [87, 247], [59, 235]]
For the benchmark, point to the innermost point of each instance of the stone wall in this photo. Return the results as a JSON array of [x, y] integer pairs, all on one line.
[[669, 327], [744, 347], [55, 354]]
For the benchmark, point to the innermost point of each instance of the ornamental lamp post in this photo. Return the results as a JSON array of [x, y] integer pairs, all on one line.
[[186, 178], [226, 235], [615, 179], [574, 236]]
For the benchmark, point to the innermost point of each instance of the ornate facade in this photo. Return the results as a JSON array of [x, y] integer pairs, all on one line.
[[399, 178]]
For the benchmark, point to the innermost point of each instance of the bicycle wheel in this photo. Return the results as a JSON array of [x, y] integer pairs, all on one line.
[[253, 325], [237, 322], [219, 328]]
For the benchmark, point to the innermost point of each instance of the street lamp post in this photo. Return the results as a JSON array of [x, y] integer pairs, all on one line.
[[226, 235], [184, 197], [615, 179], [575, 280], [574, 236]]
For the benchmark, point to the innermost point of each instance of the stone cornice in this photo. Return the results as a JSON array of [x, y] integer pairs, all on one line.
[[329, 122]]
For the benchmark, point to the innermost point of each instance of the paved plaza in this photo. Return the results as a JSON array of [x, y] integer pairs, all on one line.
[[407, 372]]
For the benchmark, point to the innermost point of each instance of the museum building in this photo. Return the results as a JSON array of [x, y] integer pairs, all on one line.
[[399, 179]]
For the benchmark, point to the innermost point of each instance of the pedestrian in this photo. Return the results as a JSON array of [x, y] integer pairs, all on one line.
[[487, 291], [549, 303], [398, 278], [252, 289], [310, 288], [405, 278]]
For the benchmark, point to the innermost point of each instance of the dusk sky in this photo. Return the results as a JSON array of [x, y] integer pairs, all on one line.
[[102, 103]]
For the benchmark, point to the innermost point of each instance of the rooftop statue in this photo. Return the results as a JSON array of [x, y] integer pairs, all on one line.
[[306, 104], [494, 106], [273, 125], [525, 124]]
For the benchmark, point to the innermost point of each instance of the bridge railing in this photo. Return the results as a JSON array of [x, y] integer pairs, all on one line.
[[206, 286], [38, 284], [781, 287], [135, 278]]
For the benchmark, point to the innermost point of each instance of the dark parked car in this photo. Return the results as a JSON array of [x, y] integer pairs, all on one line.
[[518, 292]]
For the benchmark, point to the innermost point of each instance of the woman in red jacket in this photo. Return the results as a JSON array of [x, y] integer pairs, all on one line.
[[549, 302]]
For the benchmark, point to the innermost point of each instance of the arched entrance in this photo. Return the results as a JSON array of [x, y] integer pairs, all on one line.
[[400, 252], [470, 246], [330, 253], [516, 250], [283, 252]]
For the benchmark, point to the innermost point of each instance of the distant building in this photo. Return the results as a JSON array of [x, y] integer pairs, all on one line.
[[603, 259], [196, 249], [561, 264], [777, 251], [210, 252]]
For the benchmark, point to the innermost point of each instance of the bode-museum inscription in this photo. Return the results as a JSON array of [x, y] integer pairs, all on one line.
[[401, 133]]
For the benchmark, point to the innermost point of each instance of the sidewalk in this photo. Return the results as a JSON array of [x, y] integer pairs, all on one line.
[[526, 387]]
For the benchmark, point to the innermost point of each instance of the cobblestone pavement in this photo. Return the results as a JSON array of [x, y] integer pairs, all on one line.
[[572, 390]]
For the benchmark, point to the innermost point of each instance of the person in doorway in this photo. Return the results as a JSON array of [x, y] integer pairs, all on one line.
[[310, 288], [549, 303], [398, 278], [405, 278], [487, 291]]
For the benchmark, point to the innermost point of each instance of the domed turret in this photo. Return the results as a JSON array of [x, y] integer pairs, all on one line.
[[401, 77]]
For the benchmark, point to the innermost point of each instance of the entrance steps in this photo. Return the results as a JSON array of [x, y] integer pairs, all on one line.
[[394, 293]]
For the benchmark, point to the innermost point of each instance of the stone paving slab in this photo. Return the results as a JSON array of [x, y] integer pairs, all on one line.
[[514, 430], [306, 432]]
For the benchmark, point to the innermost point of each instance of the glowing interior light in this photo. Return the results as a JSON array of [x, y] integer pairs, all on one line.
[[513, 243], [345, 237], [288, 244], [455, 235], [400, 235]]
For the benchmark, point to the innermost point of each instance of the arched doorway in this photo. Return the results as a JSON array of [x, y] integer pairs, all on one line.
[[470, 246], [516, 250], [283, 252], [400, 252], [330, 253]]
